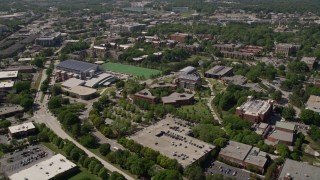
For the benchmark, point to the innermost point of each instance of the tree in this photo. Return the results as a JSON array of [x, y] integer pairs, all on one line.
[[194, 173], [104, 149], [54, 103], [276, 95], [38, 61], [314, 133], [56, 90], [307, 116], [168, 175], [288, 113], [22, 86], [103, 174], [283, 150], [116, 176], [88, 141], [26, 103], [220, 142]]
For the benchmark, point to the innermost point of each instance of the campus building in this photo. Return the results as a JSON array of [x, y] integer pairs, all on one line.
[[244, 155], [292, 170], [310, 61], [145, 95], [313, 103], [48, 39], [22, 130], [10, 110], [57, 167], [283, 133], [180, 37], [218, 72], [237, 79], [127, 27], [286, 49], [76, 69], [188, 81], [178, 99], [254, 110]]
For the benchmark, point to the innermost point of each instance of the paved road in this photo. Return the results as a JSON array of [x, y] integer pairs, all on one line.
[[44, 116]]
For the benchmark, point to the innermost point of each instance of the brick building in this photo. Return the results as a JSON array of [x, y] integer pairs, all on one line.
[[254, 110], [286, 49], [180, 37], [188, 81], [178, 99], [145, 95]]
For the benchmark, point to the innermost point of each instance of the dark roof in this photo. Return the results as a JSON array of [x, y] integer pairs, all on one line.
[[76, 65]]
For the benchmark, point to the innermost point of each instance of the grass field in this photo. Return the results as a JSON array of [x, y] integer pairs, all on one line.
[[197, 112], [131, 70], [84, 175]]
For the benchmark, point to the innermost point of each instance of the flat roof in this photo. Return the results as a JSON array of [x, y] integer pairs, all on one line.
[[47, 169], [6, 84], [286, 125], [219, 70], [236, 150], [299, 170], [162, 84], [82, 91], [313, 103], [145, 93], [281, 135], [8, 74], [10, 109], [255, 107], [309, 60], [256, 157], [72, 82], [24, 59], [174, 97], [76, 65], [237, 79], [21, 127], [170, 137]]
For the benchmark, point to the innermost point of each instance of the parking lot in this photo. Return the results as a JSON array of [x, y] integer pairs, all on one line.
[[24, 158], [226, 170]]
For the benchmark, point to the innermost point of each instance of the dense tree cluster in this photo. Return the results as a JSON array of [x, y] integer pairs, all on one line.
[[78, 46]]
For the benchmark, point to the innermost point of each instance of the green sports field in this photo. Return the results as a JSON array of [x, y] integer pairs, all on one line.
[[131, 70]]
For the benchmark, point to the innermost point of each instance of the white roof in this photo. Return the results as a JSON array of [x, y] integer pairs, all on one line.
[[8, 74], [45, 170], [25, 59], [6, 84], [72, 82], [21, 127]]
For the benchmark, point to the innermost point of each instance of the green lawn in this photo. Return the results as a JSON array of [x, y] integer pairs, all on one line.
[[217, 85], [197, 112], [84, 175], [131, 70]]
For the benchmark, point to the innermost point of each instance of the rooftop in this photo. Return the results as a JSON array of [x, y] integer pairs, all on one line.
[[281, 135], [313, 103], [309, 60], [145, 93], [219, 70], [47, 169], [21, 127], [8, 74], [188, 70], [72, 82], [236, 150], [256, 157], [169, 137], [174, 97], [285, 125], [162, 84], [299, 170], [6, 84], [76, 65], [255, 107], [82, 91], [237, 79], [98, 79], [10, 109], [192, 77]]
